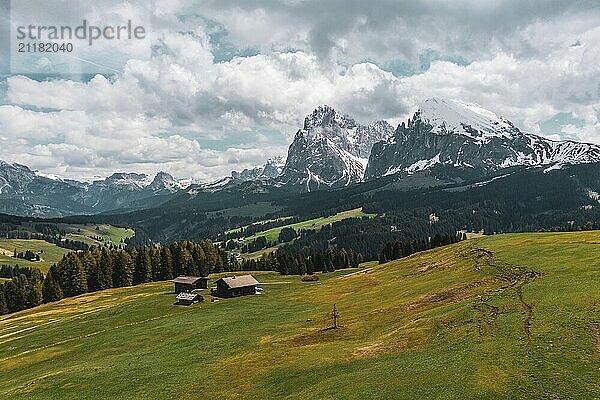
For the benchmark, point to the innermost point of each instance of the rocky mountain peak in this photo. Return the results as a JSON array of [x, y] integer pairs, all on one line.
[[127, 179], [271, 169], [331, 150], [164, 181], [326, 116], [467, 139]]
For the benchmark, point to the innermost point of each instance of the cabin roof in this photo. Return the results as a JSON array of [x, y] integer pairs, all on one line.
[[190, 280], [239, 281], [187, 296]]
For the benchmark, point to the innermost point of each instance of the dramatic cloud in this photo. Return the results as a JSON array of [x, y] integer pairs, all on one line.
[[231, 81]]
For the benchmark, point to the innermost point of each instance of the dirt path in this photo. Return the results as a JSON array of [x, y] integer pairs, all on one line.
[[515, 277], [528, 311]]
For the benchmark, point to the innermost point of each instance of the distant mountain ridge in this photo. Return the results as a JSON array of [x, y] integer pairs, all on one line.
[[272, 169], [29, 193], [450, 134], [445, 140]]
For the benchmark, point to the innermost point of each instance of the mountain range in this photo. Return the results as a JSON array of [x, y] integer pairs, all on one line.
[[445, 140], [30, 193], [468, 138]]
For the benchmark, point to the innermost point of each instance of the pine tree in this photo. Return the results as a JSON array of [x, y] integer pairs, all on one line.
[[185, 262], [201, 261], [213, 258], [175, 259], [122, 269], [91, 270], [166, 264], [34, 288], [14, 293], [154, 254], [73, 280], [51, 290], [3, 306], [143, 267], [104, 271]]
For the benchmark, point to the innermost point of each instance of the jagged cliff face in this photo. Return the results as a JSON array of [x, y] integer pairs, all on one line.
[[331, 150], [465, 136]]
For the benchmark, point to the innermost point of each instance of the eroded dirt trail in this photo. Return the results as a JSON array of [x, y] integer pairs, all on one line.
[[527, 310], [515, 278]]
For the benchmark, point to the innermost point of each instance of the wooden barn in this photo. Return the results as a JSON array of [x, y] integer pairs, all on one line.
[[187, 299], [236, 286], [188, 283]]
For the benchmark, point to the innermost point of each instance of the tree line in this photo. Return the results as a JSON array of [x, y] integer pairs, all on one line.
[[98, 269], [300, 263], [395, 250]]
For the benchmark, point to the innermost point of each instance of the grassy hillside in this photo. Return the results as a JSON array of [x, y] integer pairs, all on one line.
[[316, 223], [51, 252], [511, 316], [90, 235]]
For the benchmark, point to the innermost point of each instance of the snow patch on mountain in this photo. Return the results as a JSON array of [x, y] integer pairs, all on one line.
[[458, 134], [454, 117], [423, 164]]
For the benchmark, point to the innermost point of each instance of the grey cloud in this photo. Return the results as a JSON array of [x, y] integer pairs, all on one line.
[[406, 27]]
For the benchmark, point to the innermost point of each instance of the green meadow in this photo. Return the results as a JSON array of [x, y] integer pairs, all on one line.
[[499, 317], [51, 253], [272, 234], [90, 235]]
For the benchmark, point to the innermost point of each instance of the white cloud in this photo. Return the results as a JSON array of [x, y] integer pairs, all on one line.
[[160, 114]]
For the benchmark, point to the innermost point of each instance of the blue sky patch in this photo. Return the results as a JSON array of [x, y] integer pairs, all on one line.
[[554, 125]]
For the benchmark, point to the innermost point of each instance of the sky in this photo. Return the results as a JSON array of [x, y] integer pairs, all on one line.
[[228, 82]]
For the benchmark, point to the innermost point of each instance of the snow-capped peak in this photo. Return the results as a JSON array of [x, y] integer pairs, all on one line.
[[455, 117]]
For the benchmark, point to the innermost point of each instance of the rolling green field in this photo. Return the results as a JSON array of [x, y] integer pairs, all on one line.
[[88, 233], [51, 253], [500, 317], [316, 223]]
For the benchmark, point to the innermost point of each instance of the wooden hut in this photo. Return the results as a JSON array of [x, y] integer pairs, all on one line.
[[236, 286], [187, 299], [188, 283]]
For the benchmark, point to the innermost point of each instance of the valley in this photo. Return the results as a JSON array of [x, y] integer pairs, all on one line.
[[491, 317]]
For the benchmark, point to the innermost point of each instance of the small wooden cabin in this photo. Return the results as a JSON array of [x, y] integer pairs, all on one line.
[[187, 299], [234, 286], [188, 283]]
